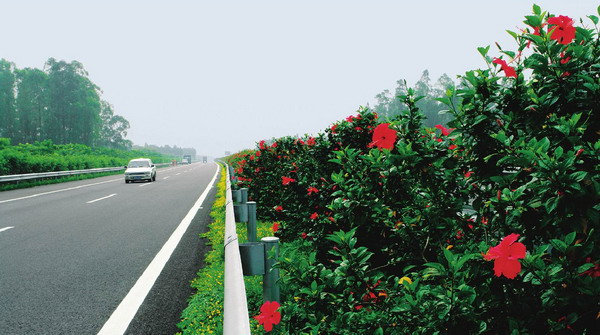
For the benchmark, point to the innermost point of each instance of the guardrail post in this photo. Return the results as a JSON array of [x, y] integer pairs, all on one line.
[[241, 208], [251, 225], [271, 276], [244, 192], [237, 196], [253, 258]]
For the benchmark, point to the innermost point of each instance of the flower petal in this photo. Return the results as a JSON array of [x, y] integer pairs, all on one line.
[[517, 250], [510, 268]]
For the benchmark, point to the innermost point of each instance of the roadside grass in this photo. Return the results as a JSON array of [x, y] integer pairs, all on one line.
[[204, 314]]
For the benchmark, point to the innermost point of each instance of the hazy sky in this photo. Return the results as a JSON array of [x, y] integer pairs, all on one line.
[[222, 75]]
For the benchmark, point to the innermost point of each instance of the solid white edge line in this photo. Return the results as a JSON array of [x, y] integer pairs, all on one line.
[[7, 228], [125, 312], [106, 197]]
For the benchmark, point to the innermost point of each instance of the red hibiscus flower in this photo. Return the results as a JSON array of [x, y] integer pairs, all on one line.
[[314, 216], [445, 131], [278, 209], [287, 181], [275, 227], [452, 147], [383, 137], [311, 141], [274, 145], [468, 174], [312, 190], [304, 235], [506, 256], [268, 315], [509, 71], [261, 145], [333, 128], [561, 29]]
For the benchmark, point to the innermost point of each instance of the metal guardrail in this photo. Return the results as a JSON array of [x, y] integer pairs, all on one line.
[[235, 305], [55, 174]]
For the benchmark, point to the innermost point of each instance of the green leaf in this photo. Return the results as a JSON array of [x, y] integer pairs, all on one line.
[[512, 33], [551, 204], [585, 267], [558, 152], [570, 238], [483, 51], [536, 9], [559, 245], [449, 257], [594, 18], [579, 175], [533, 20]]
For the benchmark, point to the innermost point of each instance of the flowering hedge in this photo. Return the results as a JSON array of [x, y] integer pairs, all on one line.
[[485, 225]]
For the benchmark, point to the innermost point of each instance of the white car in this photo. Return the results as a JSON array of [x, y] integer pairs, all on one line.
[[140, 169]]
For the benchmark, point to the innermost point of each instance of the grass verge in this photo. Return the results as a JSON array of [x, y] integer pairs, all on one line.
[[204, 314]]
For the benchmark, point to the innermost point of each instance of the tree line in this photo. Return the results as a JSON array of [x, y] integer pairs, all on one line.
[[59, 103], [388, 105], [167, 150]]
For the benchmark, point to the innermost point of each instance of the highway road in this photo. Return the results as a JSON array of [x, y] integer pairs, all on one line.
[[70, 253]]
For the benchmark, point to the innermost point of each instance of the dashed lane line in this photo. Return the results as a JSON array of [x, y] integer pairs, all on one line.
[[6, 228], [99, 199]]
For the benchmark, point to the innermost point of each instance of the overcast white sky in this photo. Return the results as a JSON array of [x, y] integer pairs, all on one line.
[[222, 75]]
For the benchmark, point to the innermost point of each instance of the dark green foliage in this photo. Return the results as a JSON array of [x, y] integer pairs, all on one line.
[[46, 156], [60, 104]]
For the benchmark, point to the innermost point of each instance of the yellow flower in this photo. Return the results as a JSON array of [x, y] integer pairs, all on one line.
[[449, 247]]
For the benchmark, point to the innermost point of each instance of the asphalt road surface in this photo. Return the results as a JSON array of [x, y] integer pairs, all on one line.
[[70, 253]]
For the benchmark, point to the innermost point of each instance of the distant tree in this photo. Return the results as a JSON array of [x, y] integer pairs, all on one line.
[[8, 119], [74, 104], [114, 128], [32, 104], [167, 150], [390, 106]]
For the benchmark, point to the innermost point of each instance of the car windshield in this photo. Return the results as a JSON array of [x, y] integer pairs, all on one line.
[[139, 164]]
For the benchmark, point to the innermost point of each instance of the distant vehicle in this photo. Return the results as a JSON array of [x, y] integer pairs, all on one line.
[[187, 159], [204, 159], [140, 169]]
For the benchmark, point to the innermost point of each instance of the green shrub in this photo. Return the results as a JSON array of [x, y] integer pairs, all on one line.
[[392, 239]]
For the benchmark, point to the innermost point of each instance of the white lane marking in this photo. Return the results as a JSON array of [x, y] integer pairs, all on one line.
[[167, 177], [61, 190], [177, 174], [7, 228], [146, 184], [106, 197], [122, 316]]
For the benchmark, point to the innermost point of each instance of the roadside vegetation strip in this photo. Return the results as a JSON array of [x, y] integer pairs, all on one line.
[[45, 156], [204, 314]]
